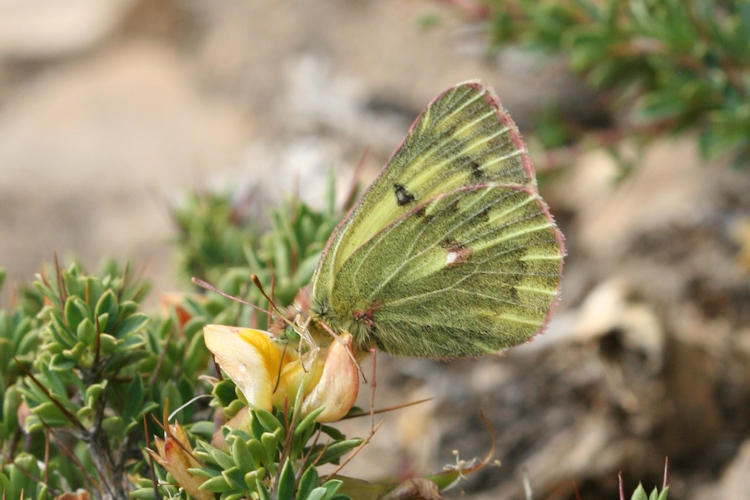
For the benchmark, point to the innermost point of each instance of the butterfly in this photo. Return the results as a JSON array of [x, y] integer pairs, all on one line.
[[451, 252]]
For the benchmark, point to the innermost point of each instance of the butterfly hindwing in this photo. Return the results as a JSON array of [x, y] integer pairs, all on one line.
[[451, 252], [475, 272]]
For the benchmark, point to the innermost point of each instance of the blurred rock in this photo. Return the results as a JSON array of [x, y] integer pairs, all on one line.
[[45, 29], [88, 153], [608, 312], [740, 230], [317, 97], [669, 186], [588, 450], [734, 482]]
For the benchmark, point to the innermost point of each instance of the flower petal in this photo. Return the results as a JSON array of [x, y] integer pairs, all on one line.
[[338, 385], [248, 357]]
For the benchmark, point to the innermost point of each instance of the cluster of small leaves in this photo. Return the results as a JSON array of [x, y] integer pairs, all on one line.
[[283, 258], [640, 493], [274, 459], [663, 66], [211, 234], [82, 367]]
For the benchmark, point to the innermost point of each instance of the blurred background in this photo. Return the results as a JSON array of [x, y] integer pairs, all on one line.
[[638, 120]]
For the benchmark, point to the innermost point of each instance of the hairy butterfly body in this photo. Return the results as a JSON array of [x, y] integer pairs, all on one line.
[[451, 252]]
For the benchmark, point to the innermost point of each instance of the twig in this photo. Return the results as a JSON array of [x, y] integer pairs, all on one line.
[[71, 418], [387, 409], [355, 451], [150, 458], [33, 478], [46, 456], [73, 458]]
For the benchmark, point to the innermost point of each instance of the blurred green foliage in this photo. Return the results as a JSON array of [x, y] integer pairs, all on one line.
[[661, 66]]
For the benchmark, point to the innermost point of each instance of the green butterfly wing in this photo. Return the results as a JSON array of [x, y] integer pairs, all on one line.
[[451, 252]]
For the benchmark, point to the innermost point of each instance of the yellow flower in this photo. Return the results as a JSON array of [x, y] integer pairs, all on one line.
[[175, 455], [268, 375]]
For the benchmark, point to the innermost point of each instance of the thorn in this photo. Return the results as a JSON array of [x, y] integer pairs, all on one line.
[[97, 341], [60, 283], [150, 458], [356, 451]]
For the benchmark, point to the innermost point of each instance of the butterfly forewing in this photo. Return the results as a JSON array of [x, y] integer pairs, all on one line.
[[451, 252], [462, 138]]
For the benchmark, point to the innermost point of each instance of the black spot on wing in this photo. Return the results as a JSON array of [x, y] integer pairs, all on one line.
[[449, 243], [476, 171], [403, 197], [483, 216]]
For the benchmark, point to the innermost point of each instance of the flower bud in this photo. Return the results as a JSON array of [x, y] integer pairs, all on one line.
[[174, 454], [338, 385]]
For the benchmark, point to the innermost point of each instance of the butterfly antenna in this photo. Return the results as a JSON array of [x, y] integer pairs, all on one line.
[[338, 339], [302, 331], [208, 286], [271, 303], [273, 289], [211, 288], [278, 372]]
